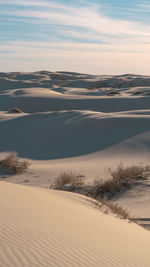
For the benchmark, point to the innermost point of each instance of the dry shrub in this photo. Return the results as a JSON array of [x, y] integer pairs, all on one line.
[[67, 178], [138, 92], [131, 172], [113, 92], [13, 164], [16, 110], [122, 177], [116, 209], [93, 88], [76, 184]]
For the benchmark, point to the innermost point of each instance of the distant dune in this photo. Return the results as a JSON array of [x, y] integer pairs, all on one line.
[[75, 122], [69, 115]]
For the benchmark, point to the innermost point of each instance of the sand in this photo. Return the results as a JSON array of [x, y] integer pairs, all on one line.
[[49, 228], [76, 123], [70, 120]]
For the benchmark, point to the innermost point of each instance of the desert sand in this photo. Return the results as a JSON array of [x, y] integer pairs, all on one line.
[[76, 123], [49, 228]]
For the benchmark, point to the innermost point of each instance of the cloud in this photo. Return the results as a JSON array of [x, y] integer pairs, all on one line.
[[25, 58], [31, 48], [33, 4], [143, 7], [84, 18], [81, 34]]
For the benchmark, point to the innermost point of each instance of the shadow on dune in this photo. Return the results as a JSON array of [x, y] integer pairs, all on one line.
[[67, 134], [4, 174], [39, 104]]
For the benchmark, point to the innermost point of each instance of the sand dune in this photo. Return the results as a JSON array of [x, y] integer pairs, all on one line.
[[47, 228], [60, 133], [58, 118], [76, 123]]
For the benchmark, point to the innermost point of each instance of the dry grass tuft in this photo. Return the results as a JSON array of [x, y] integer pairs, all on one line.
[[138, 92], [116, 209], [16, 110], [122, 177], [93, 88], [67, 178], [113, 92], [13, 164], [102, 191]]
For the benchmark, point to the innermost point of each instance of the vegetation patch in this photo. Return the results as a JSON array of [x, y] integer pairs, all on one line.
[[113, 92], [68, 181], [117, 209], [13, 164], [16, 110], [138, 92], [121, 178]]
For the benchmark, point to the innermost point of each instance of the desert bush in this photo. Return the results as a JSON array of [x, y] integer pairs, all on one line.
[[122, 177], [67, 178], [138, 92], [116, 209], [16, 110], [13, 164], [113, 92], [93, 88], [76, 184], [131, 172]]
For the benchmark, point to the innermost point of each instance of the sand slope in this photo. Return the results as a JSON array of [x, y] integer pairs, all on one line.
[[78, 123], [50, 228], [71, 115]]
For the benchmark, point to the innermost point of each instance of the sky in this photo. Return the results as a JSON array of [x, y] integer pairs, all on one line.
[[97, 37]]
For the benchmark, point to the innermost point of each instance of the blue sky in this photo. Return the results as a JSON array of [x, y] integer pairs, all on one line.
[[106, 36]]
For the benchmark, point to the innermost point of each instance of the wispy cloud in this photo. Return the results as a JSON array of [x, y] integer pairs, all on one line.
[[33, 4], [28, 58], [82, 29], [143, 7], [83, 18]]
